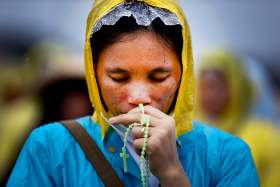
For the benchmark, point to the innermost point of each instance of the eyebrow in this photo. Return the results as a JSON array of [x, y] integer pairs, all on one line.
[[160, 70], [122, 71], [117, 71]]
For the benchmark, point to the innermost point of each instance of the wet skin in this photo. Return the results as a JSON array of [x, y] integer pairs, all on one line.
[[141, 68]]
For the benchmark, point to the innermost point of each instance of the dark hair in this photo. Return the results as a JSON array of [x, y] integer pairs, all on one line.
[[53, 93], [171, 35]]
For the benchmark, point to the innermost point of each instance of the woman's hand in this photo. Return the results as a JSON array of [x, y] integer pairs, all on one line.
[[162, 148]]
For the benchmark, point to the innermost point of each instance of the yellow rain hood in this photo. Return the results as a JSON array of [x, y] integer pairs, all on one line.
[[185, 100]]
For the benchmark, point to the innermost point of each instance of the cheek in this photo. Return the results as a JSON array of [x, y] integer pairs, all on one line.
[[164, 93], [109, 90]]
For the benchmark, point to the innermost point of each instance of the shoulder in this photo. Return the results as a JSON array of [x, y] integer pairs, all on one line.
[[222, 143], [48, 151], [56, 129], [203, 136], [55, 136], [228, 159], [214, 146]]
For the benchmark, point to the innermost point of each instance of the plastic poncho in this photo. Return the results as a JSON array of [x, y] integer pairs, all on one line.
[[184, 104], [260, 134], [51, 157]]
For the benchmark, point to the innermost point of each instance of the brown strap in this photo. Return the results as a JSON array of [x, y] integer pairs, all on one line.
[[93, 154]]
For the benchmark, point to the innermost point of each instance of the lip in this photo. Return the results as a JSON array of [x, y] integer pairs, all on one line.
[[126, 110]]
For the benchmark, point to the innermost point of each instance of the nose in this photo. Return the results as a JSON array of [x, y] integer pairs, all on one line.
[[139, 94]]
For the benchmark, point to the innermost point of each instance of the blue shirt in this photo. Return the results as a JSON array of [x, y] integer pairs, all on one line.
[[210, 158]]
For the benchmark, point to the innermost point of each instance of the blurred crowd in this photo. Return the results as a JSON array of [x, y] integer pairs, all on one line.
[[234, 93], [43, 82], [40, 82]]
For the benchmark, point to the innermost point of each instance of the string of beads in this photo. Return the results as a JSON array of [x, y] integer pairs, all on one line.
[[144, 162]]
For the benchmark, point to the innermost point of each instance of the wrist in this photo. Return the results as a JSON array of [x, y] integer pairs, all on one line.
[[171, 172], [175, 177]]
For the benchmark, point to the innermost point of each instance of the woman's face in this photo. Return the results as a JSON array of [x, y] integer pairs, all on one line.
[[139, 68], [214, 92]]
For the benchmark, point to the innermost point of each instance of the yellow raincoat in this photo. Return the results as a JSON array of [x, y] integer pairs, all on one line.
[[261, 135], [184, 104]]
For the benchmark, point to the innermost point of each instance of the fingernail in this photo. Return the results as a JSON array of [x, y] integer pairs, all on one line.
[[112, 120]]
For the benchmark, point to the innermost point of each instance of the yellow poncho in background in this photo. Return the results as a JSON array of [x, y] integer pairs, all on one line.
[[262, 136]]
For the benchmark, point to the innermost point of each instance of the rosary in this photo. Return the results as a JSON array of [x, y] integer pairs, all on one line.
[[144, 162]]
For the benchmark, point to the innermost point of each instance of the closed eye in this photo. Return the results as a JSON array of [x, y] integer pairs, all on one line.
[[119, 78], [159, 74], [159, 77], [118, 75]]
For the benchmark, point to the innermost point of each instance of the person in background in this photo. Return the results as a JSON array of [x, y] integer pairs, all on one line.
[[225, 95], [41, 84], [19, 109], [62, 89], [64, 99], [139, 70]]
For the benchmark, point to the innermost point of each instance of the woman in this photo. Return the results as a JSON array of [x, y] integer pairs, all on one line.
[[225, 97], [138, 53]]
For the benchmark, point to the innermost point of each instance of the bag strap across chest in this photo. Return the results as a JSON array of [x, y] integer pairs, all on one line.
[[97, 159]]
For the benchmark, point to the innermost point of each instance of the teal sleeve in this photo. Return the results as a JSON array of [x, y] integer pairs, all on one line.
[[32, 167], [237, 167]]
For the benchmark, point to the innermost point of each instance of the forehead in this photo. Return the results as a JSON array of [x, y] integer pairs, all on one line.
[[214, 77], [139, 49], [213, 73]]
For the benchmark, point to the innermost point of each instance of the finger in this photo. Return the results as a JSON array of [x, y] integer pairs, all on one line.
[[138, 145], [138, 131], [135, 110], [129, 118], [126, 119], [148, 109]]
